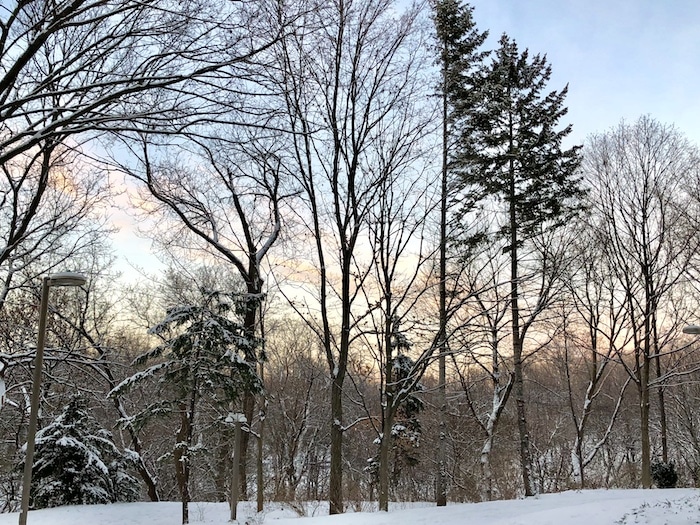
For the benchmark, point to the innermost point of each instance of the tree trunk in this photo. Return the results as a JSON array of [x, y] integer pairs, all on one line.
[[441, 484], [248, 408], [388, 401], [250, 320], [486, 472], [181, 457], [235, 492], [223, 464], [525, 459], [663, 425], [335, 489], [500, 398], [663, 428], [384, 447], [644, 416], [260, 490]]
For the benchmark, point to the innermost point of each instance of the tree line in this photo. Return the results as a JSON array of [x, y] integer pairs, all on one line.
[[385, 257]]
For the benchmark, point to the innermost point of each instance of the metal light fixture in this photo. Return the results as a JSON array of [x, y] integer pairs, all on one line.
[[56, 279], [691, 329]]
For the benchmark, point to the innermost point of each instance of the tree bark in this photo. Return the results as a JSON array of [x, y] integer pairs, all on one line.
[[519, 388], [441, 482], [181, 458], [335, 489], [644, 416], [384, 448], [260, 491]]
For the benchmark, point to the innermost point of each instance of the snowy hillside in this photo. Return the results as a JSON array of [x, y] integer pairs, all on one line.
[[594, 507]]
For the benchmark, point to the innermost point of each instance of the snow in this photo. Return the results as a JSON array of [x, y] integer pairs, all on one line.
[[590, 507]]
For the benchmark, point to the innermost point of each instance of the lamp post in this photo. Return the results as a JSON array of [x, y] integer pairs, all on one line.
[[56, 279], [691, 329]]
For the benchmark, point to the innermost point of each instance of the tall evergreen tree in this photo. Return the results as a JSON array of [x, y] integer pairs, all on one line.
[[512, 159], [458, 43]]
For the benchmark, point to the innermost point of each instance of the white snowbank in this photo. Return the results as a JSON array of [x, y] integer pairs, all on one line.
[[590, 507]]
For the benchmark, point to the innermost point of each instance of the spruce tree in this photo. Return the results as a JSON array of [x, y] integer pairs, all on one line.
[[459, 55], [511, 148], [511, 158], [77, 463]]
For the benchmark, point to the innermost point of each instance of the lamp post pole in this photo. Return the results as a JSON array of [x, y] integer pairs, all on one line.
[[59, 279]]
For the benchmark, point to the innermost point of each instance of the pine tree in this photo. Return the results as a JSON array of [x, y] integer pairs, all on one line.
[[511, 158], [76, 462], [511, 149], [460, 56]]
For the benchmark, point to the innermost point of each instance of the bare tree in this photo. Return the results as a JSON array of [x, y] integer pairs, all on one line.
[[52, 208], [75, 69], [397, 282], [643, 217], [594, 333], [297, 411], [479, 330], [219, 199], [348, 73]]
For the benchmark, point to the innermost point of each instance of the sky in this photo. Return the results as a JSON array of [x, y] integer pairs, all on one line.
[[590, 507], [620, 58]]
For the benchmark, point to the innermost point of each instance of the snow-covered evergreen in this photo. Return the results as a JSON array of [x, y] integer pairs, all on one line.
[[198, 363], [76, 462]]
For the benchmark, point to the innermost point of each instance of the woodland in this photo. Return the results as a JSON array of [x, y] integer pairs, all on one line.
[[390, 273]]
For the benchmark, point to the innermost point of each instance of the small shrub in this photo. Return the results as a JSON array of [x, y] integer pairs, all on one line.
[[664, 474]]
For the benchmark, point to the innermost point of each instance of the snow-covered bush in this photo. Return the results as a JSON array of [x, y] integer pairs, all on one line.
[[76, 462]]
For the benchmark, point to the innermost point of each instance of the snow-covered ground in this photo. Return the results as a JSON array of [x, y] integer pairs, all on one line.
[[590, 507]]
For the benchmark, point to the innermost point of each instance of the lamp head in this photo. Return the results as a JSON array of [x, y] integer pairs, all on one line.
[[66, 279], [691, 329]]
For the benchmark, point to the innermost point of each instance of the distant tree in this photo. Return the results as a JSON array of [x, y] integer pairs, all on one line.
[[77, 463], [297, 411], [595, 334], [512, 161], [402, 440], [200, 359], [644, 215]]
